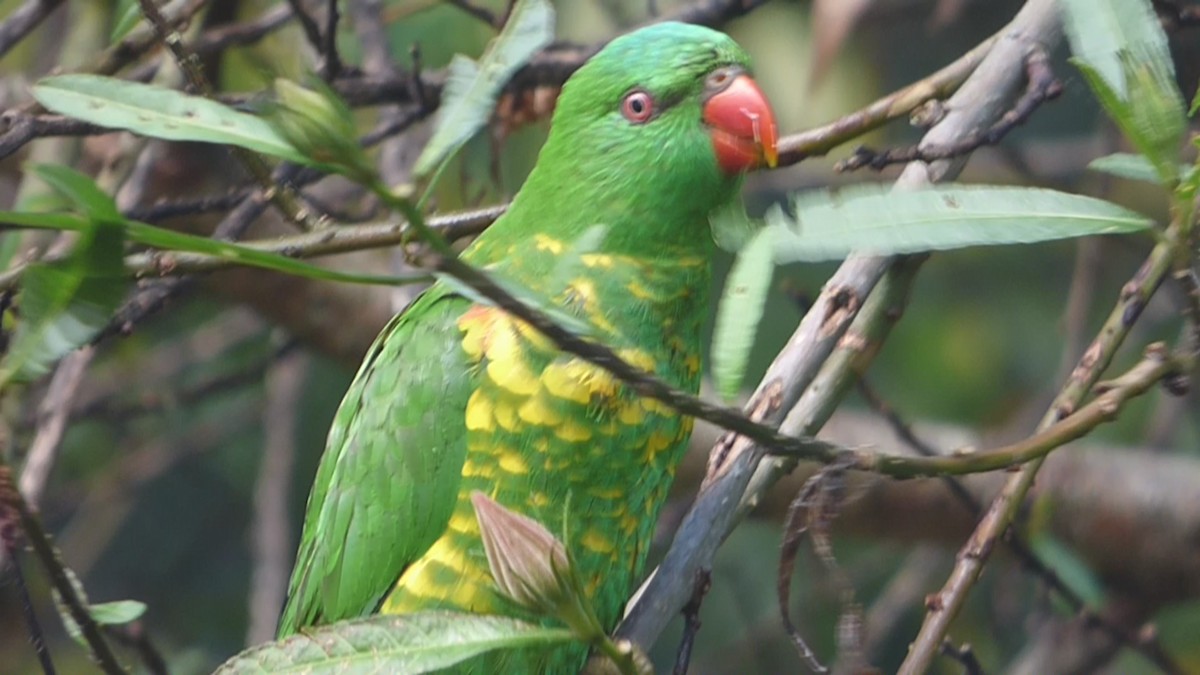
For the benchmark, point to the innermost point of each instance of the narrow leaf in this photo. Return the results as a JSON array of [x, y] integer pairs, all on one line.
[[69, 222], [80, 189], [160, 113], [128, 13], [1099, 29], [412, 643], [64, 303], [1125, 165], [828, 225], [244, 254], [471, 89], [1121, 44], [1070, 568], [241, 254], [117, 612], [740, 311]]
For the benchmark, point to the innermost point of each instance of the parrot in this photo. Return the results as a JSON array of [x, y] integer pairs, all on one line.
[[648, 137]]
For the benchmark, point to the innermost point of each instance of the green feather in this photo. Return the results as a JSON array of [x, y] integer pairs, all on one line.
[[389, 522]]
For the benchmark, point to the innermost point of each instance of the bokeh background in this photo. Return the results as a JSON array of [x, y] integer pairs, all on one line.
[[213, 413]]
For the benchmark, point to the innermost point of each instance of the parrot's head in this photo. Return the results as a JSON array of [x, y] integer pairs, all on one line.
[[652, 134]]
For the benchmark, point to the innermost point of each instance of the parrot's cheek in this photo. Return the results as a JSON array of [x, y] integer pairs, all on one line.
[[742, 126]]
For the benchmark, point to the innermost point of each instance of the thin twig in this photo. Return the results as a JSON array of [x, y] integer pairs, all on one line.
[[312, 32], [965, 656], [270, 535], [1157, 364], [22, 20], [1041, 86], [691, 622], [37, 637], [134, 636], [482, 13], [332, 65], [280, 193], [48, 556]]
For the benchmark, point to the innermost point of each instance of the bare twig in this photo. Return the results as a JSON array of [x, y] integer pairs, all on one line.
[[270, 537], [482, 13], [1095, 360], [37, 637], [312, 32], [1041, 86], [691, 622], [22, 20], [47, 555], [134, 636], [897, 105], [280, 193], [53, 413], [964, 655]]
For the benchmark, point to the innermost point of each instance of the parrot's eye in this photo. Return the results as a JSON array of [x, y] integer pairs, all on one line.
[[637, 106]]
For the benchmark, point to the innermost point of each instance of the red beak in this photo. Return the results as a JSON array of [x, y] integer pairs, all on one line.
[[743, 128]]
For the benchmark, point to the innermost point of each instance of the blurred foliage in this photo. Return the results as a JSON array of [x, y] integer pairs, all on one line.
[[151, 498]]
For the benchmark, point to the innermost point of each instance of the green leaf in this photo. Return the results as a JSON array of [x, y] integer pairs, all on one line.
[[471, 89], [81, 190], [1070, 568], [740, 311], [1099, 30], [732, 228], [241, 254], [1121, 44], [401, 645], [128, 13], [829, 225], [160, 113], [117, 612], [244, 254], [1125, 165], [65, 302], [43, 221]]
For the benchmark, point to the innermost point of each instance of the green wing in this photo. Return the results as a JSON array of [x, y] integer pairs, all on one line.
[[390, 474]]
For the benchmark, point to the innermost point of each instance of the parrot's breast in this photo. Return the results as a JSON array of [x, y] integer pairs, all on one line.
[[554, 437]]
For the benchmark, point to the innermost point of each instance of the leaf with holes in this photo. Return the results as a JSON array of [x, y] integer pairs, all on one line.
[[160, 113]]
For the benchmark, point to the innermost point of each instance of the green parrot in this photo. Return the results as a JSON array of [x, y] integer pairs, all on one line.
[[648, 137]]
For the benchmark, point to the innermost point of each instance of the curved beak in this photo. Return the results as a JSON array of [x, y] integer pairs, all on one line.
[[742, 125]]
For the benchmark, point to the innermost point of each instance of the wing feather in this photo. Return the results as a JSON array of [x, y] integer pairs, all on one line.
[[393, 460]]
